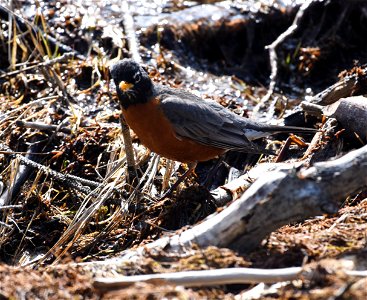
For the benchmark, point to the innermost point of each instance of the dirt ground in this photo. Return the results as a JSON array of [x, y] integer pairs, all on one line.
[[322, 244]]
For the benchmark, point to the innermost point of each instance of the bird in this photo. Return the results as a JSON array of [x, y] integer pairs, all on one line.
[[181, 126]]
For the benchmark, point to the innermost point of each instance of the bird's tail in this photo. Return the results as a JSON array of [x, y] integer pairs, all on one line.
[[290, 129], [256, 131]]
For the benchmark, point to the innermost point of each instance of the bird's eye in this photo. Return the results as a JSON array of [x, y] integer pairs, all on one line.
[[137, 77]]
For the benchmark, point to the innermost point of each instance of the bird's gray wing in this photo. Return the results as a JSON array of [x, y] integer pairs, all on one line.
[[208, 123]]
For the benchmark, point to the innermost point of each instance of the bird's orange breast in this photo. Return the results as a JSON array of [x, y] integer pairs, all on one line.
[[157, 133]]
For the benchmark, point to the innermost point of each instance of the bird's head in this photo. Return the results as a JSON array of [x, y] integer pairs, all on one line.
[[132, 82]]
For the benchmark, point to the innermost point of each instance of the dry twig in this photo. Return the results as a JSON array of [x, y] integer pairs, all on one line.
[[128, 22], [213, 277], [203, 278], [274, 58]]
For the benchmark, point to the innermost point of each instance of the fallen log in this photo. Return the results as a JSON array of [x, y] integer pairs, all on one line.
[[279, 198]]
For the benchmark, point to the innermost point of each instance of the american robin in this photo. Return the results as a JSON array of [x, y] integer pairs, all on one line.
[[181, 126]]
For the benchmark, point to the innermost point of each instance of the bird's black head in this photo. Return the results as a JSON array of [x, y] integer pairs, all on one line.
[[132, 82]]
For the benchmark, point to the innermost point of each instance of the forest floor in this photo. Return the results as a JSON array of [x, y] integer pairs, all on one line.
[[54, 221]]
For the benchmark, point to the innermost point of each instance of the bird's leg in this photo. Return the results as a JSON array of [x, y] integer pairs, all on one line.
[[169, 192], [209, 178]]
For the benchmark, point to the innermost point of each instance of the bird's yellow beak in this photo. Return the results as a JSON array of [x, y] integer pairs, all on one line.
[[124, 86]]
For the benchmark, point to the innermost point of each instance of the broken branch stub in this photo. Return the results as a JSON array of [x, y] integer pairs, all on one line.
[[353, 84], [351, 113]]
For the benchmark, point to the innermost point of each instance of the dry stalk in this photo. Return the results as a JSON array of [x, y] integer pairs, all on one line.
[[24, 25], [63, 58]]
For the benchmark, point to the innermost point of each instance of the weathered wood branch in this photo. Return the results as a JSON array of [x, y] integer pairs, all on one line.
[[215, 277], [279, 198], [282, 196], [234, 189], [204, 277], [43, 126], [350, 112], [351, 85]]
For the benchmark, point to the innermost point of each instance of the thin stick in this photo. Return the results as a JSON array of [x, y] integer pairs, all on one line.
[[204, 278], [274, 58], [3, 224], [129, 151], [153, 168], [42, 126], [70, 180], [129, 29], [284, 150], [191, 168], [64, 57], [10, 206]]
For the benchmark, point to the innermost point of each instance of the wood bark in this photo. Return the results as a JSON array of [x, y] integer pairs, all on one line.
[[351, 85], [282, 196], [351, 113]]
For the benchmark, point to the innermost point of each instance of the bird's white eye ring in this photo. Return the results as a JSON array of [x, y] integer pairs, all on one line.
[[137, 77]]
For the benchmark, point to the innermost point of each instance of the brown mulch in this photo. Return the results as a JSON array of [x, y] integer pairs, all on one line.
[[321, 243], [25, 283]]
